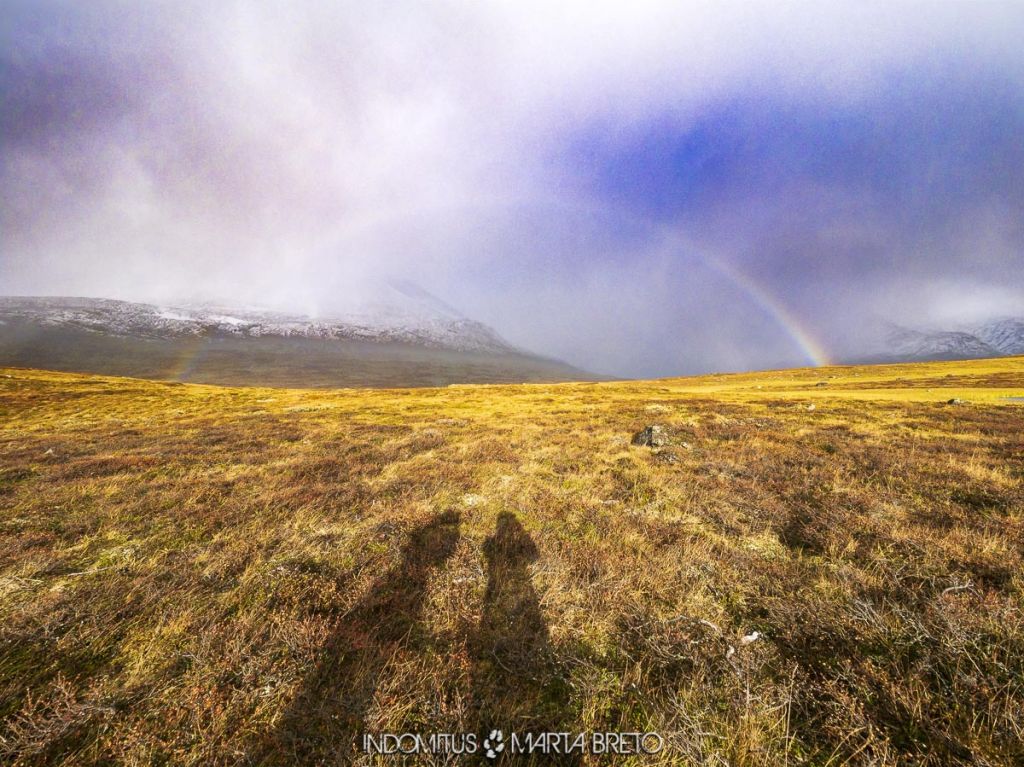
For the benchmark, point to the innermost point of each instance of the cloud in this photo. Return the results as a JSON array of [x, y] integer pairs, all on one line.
[[528, 161]]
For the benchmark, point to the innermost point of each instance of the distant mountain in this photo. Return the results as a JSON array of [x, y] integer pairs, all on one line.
[[938, 345], [1006, 335], [996, 338], [398, 335], [413, 320]]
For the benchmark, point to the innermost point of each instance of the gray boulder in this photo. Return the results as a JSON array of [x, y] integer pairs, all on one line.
[[651, 436]]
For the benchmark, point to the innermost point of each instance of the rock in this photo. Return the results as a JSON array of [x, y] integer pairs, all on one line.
[[652, 436]]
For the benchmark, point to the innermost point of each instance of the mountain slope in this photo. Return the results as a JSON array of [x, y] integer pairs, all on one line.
[[1006, 335], [413, 323], [938, 345], [404, 337], [994, 338]]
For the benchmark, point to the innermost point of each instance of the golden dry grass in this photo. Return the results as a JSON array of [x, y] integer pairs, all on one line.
[[202, 575]]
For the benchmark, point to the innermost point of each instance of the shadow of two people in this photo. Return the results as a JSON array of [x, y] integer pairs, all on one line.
[[514, 683]]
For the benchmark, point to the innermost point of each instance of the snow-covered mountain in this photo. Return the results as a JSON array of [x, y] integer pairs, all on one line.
[[396, 313], [1006, 335], [995, 338], [395, 335], [934, 345]]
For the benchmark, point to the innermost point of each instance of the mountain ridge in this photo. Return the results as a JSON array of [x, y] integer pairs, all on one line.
[[392, 343], [180, 319], [999, 337]]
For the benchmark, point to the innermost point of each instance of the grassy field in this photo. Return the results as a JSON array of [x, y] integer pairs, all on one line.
[[195, 575]]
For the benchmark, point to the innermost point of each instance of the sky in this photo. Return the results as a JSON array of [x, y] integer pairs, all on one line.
[[640, 189]]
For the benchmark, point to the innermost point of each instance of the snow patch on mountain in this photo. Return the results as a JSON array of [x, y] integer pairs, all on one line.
[[1006, 334], [396, 313], [995, 338]]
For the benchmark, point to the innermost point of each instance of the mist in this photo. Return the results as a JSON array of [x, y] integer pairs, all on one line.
[[639, 191]]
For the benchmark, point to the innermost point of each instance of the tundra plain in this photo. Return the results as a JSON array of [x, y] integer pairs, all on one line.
[[820, 566]]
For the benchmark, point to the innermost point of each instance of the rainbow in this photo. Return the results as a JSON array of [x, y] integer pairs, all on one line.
[[185, 362], [760, 295], [771, 305]]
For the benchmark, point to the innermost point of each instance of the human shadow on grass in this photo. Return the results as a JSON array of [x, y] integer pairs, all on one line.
[[517, 685], [324, 722]]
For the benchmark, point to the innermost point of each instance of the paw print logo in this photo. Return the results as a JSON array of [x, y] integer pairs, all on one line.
[[494, 744]]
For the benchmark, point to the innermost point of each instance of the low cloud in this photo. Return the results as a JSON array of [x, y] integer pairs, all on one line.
[[570, 173]]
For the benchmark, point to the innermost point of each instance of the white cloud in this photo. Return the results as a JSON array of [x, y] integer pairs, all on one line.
[[273, 150]]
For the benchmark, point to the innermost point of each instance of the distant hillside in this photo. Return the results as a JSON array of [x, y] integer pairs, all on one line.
[[995, 338], [411, 340], [1006, 335], [938, 345]]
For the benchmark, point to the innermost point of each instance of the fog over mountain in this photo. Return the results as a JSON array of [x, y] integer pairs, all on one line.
[[399, 336], [641, 189]]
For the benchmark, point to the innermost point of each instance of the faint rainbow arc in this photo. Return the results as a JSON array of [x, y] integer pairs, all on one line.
[[185, 362], [773, 306], [762, 296]]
